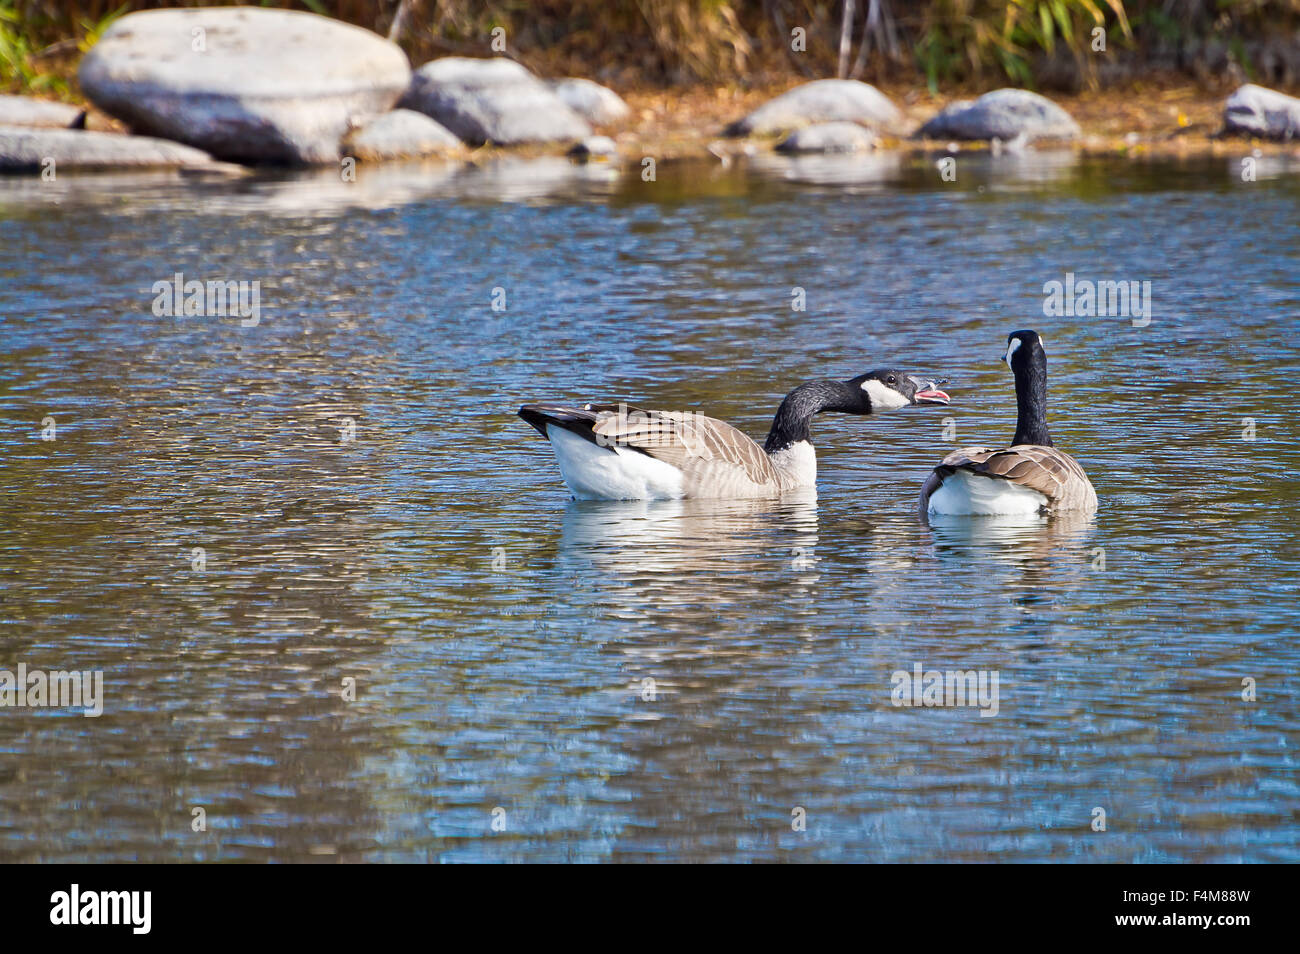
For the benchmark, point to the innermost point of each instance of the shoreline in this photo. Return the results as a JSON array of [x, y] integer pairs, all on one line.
[[284, 87], [1164, 119], [1161, 117]]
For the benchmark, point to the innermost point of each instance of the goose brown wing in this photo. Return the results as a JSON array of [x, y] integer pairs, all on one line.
[[1053, 473], [715, 457]]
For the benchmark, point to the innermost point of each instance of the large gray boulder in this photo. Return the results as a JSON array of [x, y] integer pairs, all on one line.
[[25, 111], [401, 134], [27, 149], [1002, 114], [1256, 111], [593, 102], [820, 101], [828, 137], [492, 100], [246, 84]]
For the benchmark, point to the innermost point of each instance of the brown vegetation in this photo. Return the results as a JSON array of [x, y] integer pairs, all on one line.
[[943, 43]]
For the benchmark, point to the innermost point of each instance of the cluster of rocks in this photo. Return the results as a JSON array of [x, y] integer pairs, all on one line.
[[841, 115], [247, 85], [203, 87]]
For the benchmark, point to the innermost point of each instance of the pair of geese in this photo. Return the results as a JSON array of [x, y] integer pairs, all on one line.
[[616, 452]]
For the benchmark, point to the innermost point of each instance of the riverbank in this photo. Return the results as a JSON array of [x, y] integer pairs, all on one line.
[[290, 88], [1166, 116]]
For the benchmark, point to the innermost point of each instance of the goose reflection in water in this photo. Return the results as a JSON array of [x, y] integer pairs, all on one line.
[[690, 551], [1013, 539], [1040, 557]]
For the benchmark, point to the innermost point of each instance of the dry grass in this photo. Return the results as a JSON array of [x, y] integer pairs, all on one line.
[[945, 43]]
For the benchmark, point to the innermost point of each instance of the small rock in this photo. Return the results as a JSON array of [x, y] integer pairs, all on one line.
[[401, 134], [829, 137], [595, 103], [25, 111], [831, 100], [1256, 111], [492, 100], [595, 147], [1002, 114], [245, 84], [24, 148]]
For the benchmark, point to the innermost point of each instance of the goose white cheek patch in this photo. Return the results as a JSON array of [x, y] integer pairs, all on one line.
[[1011, 349], [883, 398]]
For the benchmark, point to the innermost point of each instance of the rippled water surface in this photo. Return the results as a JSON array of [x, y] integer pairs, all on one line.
[[631, 681]]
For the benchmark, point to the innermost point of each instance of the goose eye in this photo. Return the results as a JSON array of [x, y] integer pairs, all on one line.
[[891, 380]]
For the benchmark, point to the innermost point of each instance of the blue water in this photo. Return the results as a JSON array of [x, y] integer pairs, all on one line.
[[542, 679]]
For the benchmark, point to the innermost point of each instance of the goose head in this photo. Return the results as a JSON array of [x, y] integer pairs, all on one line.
[[886, 390], [1024, 351]]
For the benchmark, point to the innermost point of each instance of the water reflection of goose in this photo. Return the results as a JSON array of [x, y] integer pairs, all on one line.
[[1015, 539], [1033, 561], [1028, 478], [616, 452], [668, 542]]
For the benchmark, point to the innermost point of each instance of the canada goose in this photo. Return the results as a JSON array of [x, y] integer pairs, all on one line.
[[616, 452], [1029, 477]]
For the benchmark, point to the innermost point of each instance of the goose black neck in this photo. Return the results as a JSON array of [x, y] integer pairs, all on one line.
[[796, 412], [1031, 402]]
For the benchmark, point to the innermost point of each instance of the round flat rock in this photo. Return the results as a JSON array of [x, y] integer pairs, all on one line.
[[243, 83]]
